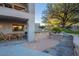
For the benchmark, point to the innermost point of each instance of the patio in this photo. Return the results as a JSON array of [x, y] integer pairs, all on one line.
[[19, 50], [42, 42]]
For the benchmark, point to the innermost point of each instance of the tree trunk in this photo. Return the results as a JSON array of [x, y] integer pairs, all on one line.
[[63, 25]]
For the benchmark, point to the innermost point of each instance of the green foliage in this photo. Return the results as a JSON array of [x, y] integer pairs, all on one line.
[[66, 12], [42, 27], [69, 31], [56, 30]]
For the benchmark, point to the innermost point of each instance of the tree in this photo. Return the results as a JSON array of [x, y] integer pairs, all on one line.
[[66, 12], [42, 27]]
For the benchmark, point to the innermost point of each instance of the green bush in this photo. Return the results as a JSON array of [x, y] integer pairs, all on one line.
[[56, 30], [66, 30], [70, 31]]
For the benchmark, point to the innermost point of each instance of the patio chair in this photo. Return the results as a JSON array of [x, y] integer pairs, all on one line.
[[3, 36], [25, 35]]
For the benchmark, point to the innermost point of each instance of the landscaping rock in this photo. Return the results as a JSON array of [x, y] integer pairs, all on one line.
[[64, 48]]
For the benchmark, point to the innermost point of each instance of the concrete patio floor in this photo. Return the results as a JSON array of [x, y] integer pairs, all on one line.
[[41, 43], [19, 50]]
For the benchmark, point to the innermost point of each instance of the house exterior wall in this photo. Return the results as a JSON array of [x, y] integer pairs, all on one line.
[[7, 28], [14, 13], [30, 15]]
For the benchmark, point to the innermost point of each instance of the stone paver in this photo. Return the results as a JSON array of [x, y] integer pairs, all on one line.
[[23, 47], [42, 42]]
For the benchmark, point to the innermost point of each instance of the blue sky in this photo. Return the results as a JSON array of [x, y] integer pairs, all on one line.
[[39, 7]]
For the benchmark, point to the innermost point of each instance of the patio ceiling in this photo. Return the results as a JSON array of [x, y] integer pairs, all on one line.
[[12, 19]]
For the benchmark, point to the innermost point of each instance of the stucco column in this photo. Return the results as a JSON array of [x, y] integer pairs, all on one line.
[[31, 23]]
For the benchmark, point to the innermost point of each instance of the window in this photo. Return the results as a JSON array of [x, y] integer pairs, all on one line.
[[19, 8], [8, 5], [16, 27], [1, 4]]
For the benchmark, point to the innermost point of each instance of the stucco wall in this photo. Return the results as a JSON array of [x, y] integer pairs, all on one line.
[[12, 12], [24, 15], [7, 28]]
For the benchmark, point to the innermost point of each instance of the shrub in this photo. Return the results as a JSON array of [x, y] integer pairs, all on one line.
[[56, 30], [70, 31]]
